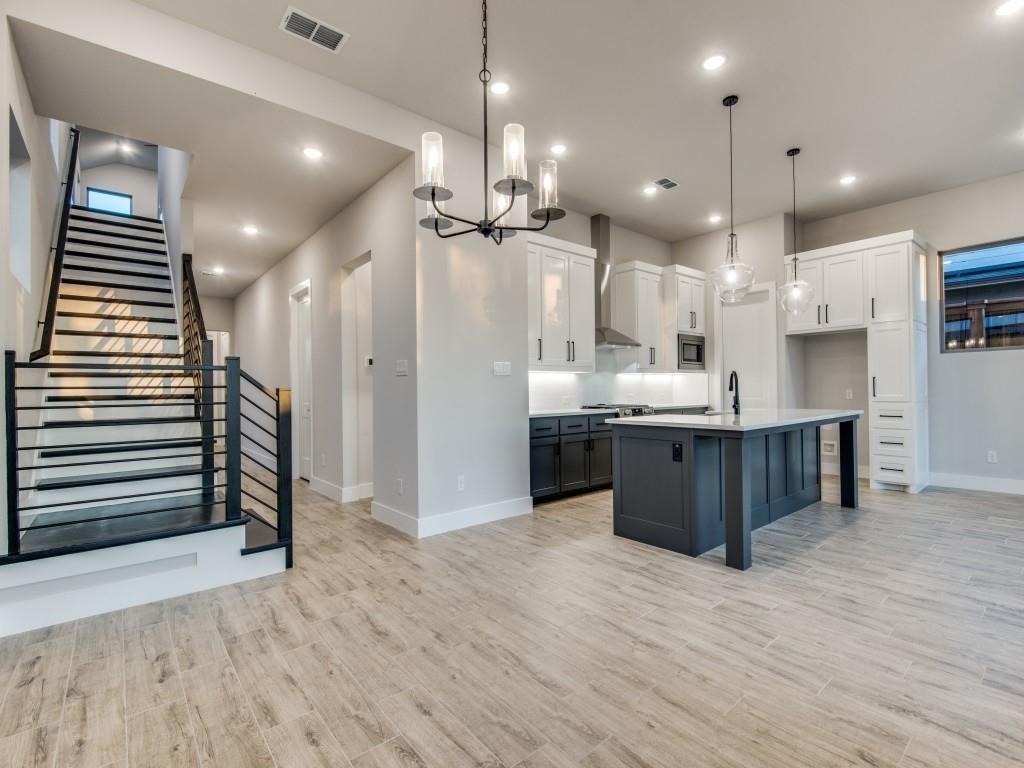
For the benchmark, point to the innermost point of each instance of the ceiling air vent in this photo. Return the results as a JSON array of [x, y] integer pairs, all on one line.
[[666, 183], [314, 31]]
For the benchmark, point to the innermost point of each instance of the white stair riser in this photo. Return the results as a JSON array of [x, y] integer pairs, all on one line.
[[114, 344], [31, 478], [87, 435], [91, 411], [88, 496], [75, 266], [114, 236], [92, 215], [113, 325]]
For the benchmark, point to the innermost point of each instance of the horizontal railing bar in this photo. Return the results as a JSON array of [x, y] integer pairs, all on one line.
[[258, 407], [259, 426], [107, 498], [111, 444], [101, 404], [259, 482], [268, 392], [191, 473], [118, 517], [261, 501], [141, 422], [257, 442], [125, 386], [120, 366], [260, 464], [124, 461]]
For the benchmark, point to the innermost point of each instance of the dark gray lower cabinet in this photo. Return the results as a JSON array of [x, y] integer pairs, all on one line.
[[575, 462], [545, 477], [600, 459]]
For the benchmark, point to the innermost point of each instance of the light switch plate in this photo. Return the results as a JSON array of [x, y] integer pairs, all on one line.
[[502, 368], [401, 368]]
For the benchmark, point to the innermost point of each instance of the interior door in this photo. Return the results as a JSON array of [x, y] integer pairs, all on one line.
[[749, 345], [844, 290], [533, 301], [889, 362], [581, 303], [888, 283], [697, 302], [813, 317], [554, 317]]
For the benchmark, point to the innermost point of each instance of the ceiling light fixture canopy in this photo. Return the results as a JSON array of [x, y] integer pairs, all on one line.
[[714, 62], [732, 279], [494, 224], [796, 295], [312, 153]]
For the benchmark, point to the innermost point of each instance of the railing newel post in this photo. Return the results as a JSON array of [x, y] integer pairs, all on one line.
[[233, 438], [206, 412], [284, 471], [11, 426]]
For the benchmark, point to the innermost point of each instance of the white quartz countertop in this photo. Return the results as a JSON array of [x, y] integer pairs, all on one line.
[[748, 420], [598, 411]]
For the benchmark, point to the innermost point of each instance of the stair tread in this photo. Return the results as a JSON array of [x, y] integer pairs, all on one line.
[[90, 374], [80, 423], [131, 216], [104, 233], [118, 259], [116, 246], [107, 284], [116, 271], [111, 300], [124, 318], [123, 523], [259, 535], [125, 476], [121, 224], [117, 335], [89, 450]]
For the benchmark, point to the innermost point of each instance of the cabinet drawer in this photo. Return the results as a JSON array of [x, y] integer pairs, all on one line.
[[892, 415], [600, 423], [892, 469], [573, 425], [894, 443], [543, 427]]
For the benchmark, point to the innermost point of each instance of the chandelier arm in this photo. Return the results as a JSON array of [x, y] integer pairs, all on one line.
[[438, 232], [451, 216], [547, 220], [507, 210], [497, 236]]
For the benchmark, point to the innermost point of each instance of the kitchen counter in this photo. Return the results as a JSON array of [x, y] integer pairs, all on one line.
[[596, 411], [692, 483]]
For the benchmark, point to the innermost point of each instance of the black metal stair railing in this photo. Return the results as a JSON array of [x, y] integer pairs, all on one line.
[[26, 452]]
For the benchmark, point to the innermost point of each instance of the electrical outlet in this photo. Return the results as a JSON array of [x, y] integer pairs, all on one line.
[[993, 457], [399, 486], [828, 448], [849, 394], [460, 482], [401, 368]]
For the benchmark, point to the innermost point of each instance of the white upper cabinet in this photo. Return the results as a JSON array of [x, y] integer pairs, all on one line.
[[697, 299], [811, 319], [636, 312], [689, 302], [889, 272], [560, 287], [843, 278]]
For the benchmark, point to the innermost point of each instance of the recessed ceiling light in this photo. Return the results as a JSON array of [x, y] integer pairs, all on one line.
[[250, 230], [650, 190], [847, 180], [1009, 8], [714, 218], [312, 153], [558, 149], [714, 62], [218, 270], [500, 88]]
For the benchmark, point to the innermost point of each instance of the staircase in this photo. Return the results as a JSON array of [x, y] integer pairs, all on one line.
[[115, 442]]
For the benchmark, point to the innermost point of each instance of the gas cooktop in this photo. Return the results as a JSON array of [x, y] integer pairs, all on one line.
[[624, 409]]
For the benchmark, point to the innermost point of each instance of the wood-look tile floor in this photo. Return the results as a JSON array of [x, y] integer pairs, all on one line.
[[888, 636]]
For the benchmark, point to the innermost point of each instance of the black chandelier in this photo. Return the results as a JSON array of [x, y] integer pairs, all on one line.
[[506, 190]]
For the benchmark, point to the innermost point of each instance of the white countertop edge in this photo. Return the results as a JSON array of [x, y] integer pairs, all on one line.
[[749, 420]]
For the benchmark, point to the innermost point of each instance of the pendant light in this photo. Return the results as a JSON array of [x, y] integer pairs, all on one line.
[[796, 295], [495, 222], [732, 279]]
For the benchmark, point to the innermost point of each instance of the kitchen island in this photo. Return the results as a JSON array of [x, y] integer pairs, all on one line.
[[692, 483]]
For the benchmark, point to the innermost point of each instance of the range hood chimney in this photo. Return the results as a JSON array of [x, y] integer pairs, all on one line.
[[600, 240]]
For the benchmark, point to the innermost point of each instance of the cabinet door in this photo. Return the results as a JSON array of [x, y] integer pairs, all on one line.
[[813, 317], [697, 302], [573, 462], [889, 362], [844, 291], [545, 479], [649, 320], [533, 337], [581, 310], [554, 307], [888, 283], [600, 459], [684, 305]]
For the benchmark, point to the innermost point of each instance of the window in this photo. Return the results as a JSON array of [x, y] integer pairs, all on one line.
[[983, 297], [105, 200]]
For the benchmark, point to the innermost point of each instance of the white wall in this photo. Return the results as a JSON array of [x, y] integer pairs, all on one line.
[[626, 244], [126, 179], [972, 404], [172, 173], [218, 313], [363, 286]]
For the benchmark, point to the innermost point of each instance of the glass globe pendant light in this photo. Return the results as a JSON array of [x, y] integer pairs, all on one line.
[[732, 279], [796, 295]]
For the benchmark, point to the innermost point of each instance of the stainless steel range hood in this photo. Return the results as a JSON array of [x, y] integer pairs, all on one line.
[[600, 240]]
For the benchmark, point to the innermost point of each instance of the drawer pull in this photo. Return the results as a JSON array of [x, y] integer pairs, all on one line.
[[573, 426], [891, 469], [889, 442], [890, 415], [542, 429]]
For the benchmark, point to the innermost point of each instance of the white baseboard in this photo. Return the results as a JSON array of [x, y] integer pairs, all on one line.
[[422, 527], [832, 468], [328, 489], [38, 593], [978, 483]]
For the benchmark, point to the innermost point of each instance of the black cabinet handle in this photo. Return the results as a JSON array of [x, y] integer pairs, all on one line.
[[654, 355], [568, 353], [573, 351], [889, 416], [826, 314], [819, 314], [540, 349], [874, 386], [890, 469], [542, 429], [888, 442], [872, 307]]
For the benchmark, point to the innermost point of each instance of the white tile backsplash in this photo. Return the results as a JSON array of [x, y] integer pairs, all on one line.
[[550, 391]]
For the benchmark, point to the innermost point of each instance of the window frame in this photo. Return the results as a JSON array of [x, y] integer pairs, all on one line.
[[943, 349], [131, 200]]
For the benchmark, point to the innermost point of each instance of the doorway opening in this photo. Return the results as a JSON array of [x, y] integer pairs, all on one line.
[[362, 279], [300, 304], [20, 202]]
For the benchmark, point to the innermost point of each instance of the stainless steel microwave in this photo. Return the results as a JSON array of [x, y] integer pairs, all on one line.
[[691, 352]]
